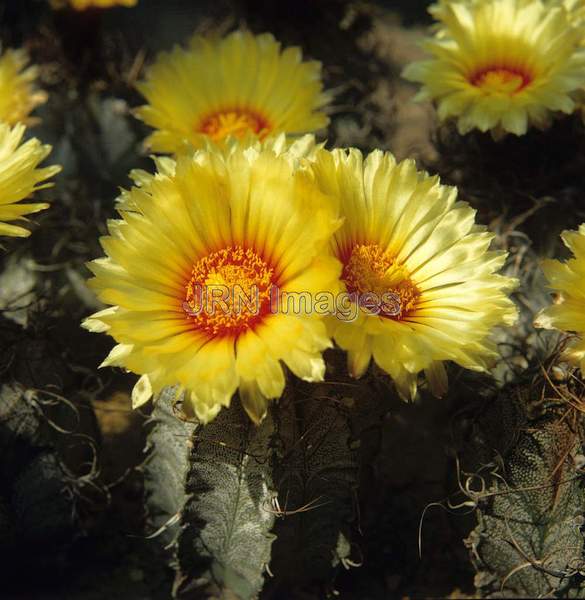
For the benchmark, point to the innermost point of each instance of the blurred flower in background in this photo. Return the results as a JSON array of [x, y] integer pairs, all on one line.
[[18, 94], [19, 172], [568, 280], [502, 65], [85, 4], [407, 236], [240, 86], [20, 177]]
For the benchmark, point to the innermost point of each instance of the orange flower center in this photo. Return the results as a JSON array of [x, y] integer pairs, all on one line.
[[235, 122], [370, 271], [501, 80], [229, 291]]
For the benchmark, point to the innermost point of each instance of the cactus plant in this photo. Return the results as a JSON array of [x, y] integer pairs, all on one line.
[[527, 488], [209, 489], [213, 494]]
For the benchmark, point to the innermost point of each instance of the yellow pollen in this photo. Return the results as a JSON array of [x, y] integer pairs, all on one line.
[[235, 122], [229, 291], [370, 270], [501, 80]]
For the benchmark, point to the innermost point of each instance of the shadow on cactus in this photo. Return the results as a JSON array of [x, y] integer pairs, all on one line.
[[48, 460], [40, 497]]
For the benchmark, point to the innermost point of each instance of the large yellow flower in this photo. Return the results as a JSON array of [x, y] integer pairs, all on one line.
[[501, 65], [248, 221], [18, 96], [420, 267], [568, 280], [241, 86], [20, 177], [85, 4]]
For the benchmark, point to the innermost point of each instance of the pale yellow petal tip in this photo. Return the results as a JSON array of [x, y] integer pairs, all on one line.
[[141, 392], [13, 231], [358, 363], [271, 74], [315, 371], [117, 356], [543, 320], [406, 386], [203, 412], [253, 401], [511, 319], [537, 73], [437, 379], [95, 324]]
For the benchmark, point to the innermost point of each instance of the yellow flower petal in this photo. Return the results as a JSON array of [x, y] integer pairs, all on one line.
[[568, 280], [142, 392], [20, 177]]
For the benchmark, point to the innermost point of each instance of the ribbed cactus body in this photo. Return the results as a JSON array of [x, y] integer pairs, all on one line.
[[315, 470], [239, 508], [529, 494], [212, 486]]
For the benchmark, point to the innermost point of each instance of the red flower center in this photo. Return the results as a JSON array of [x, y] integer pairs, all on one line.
[[229, 291], [503, 80], [234, 122], [377, 279]]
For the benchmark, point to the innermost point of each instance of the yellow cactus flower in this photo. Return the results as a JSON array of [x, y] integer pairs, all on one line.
[[501, 65], [243, 86], [251, 221], [18, 96], [568, 280], [85, 4], [417, 269], [20, 177], [303, 147]]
